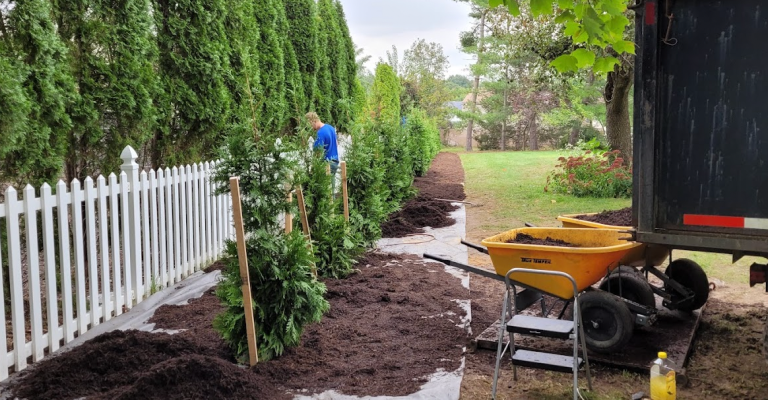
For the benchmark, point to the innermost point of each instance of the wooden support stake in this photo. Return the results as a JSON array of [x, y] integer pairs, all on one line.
[[250, 324], [289, 216], [344, 189], [305, 223]]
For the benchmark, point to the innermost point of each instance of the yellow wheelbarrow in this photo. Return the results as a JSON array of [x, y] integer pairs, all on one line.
[[685, 288]]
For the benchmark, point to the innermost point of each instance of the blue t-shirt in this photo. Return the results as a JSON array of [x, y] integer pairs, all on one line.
[[326, 138]]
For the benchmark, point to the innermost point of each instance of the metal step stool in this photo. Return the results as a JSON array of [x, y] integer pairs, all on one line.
[[541, 327]]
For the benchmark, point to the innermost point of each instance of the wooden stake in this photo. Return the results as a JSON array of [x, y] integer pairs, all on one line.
[[344, 189], [305, 223], [250, 324], [289, 216]]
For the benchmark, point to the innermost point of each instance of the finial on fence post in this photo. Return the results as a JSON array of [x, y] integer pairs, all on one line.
[[129, 157]]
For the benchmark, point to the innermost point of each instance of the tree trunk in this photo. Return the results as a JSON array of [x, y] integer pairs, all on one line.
[[617, 88], [573, 138], [471, 124], [534, 136], [504, 123]]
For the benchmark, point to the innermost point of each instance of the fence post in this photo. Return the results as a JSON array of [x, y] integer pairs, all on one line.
[[131, 169]]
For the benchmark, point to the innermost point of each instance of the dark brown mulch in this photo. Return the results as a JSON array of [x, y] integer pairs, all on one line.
[[134, 365], [216, 266], [621, 217], [383, 336], [522, 238], [443, 181], [384, 333]]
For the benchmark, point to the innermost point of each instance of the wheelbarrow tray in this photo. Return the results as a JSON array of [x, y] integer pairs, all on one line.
[[599, 252], [640, 256]]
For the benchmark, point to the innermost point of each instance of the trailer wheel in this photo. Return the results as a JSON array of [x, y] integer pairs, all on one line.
[[693, 277], [608, 324], [626, 282]]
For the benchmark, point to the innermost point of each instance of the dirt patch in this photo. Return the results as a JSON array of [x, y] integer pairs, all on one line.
[[443, 181], [621, 217], [216, 266], [522, 238], [390, 326], [125, 364]]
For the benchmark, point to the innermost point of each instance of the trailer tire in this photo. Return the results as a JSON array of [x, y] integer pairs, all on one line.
[[608, 324], [693, 277], [626, 282]]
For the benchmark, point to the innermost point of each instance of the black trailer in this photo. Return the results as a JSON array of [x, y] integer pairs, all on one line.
[[701, 127]]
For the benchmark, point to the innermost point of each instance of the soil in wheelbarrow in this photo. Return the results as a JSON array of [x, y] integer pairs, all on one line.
[[443, 181], [522, 238], [390, 326], [621, 217]]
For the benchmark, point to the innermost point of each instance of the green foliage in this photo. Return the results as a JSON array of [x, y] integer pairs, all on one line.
[[284, 290], [116, 88], [271, 103], [324, 99], [193, 67], [335, 48], [597, 24], [367, 191], [244, 81], [40, 90], [351, 66], [286, 295], [425, 140], [384, 101], [303, 35], [592, 175], [332, 239], [295, 99]]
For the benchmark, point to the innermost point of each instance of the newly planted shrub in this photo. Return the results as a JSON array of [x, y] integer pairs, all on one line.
[[589, 175], [425, 140], [367, 192], [333, 242], [286, 295]]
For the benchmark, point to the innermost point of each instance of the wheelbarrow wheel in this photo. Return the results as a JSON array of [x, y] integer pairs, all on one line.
[[608, 323], [693, 277], [626, 282]]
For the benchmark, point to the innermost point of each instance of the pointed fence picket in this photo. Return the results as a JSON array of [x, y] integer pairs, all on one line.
[[91, 252]]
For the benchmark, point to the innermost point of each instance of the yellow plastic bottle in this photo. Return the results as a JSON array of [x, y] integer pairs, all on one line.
[[663, 385]]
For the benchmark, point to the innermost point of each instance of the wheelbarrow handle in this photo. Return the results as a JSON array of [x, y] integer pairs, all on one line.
[[474, 246], [465, 267], [445, 261]]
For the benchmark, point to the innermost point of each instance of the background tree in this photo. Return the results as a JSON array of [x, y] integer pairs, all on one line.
[[324, 99], [295, 100], [242, 31], [40, 90], [112, 55], [384, 102], [424, 66], [336, 52], [193, 65], [351, 67], [271, 102], [303, 35]]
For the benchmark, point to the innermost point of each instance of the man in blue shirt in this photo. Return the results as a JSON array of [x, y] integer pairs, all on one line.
[[326, 139]]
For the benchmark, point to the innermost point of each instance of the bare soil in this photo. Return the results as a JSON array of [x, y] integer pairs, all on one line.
[[390, 326], [522, 238], [443, 181], [621, 217]]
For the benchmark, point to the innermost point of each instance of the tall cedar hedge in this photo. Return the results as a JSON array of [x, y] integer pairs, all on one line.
[[243, 81], [112, 57], [39, 91], [324, 98], [351, 67], [193, 64], [303, 35], [271, 101], [294, 89], [336, 53]]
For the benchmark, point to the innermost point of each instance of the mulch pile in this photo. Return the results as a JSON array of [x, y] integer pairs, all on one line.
[[621, 217], [443, 181], [390, 326], [522, 238]]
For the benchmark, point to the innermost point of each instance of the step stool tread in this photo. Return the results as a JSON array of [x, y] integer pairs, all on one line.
[[539, 326], [548, 361]]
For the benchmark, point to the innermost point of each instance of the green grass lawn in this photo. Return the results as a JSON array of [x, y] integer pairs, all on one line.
[[508, 189]]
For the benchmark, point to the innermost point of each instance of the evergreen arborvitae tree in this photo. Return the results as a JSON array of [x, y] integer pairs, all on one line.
[[271, 102], [350, 61], [295, 100], [323, 97], [243, 33], [112, 59], [336, 54], [194, 65], [303, 34], [37, 96], [384, 102]]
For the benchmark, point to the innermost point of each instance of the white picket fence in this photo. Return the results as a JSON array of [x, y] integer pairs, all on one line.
[[105, 248]]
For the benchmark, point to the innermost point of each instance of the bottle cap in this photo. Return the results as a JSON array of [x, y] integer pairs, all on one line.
[[662, 355]]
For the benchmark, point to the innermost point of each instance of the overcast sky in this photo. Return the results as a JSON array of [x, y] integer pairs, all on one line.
[[376, 25]]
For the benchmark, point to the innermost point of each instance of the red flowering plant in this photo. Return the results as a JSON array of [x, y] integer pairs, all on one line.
[[607, 175]]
